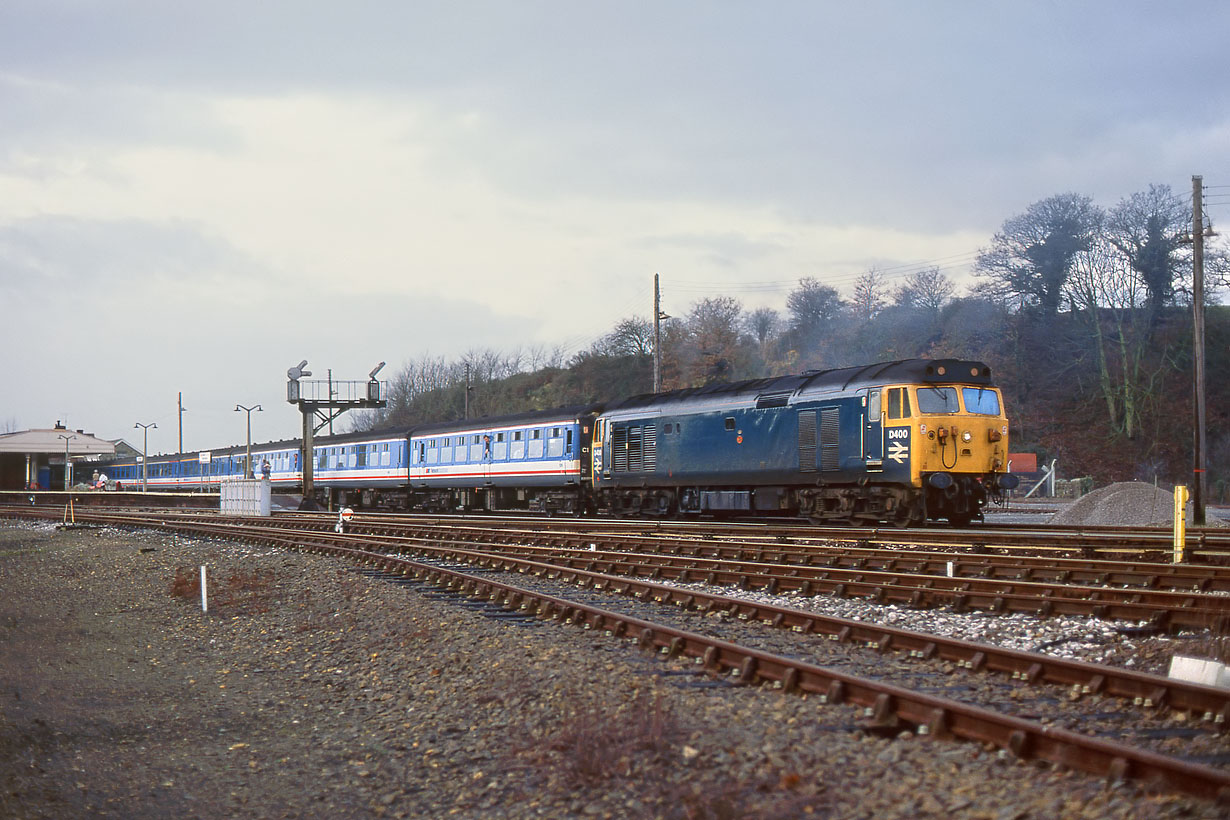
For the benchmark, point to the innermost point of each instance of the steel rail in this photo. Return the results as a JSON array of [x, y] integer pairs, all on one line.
[[883, 703], [1135, 574], [1161, 609], [1210, 703]]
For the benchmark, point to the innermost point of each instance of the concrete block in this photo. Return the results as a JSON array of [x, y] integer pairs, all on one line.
[[1199, 670]]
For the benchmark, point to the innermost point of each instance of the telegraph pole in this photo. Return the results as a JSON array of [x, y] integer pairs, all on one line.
[[657, 336], [1198, 466]]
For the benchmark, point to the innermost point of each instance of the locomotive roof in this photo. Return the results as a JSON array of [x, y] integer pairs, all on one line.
[[910, 371]]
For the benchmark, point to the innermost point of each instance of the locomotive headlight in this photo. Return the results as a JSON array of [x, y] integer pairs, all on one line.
[[967, 436]]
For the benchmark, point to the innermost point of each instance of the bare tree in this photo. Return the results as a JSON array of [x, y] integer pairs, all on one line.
[[814, 308], [708, 350], [1031, 256], [928, 289], [1109, 294], [631, 337], [762, 324], [869, 295], [1148, 229]]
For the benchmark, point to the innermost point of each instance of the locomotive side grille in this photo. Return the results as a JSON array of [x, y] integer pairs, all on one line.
[[619, 449], [807, 441], [649, 438], [634, 449], [830, 432]]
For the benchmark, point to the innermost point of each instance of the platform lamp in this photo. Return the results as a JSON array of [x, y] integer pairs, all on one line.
[[145, 452], [68, 464], [249, 410]]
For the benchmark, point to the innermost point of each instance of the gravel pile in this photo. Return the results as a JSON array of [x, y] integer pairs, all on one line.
[[310, 690], [1128, 503]]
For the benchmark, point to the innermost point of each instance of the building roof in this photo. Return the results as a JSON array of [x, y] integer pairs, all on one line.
[[52, 442]]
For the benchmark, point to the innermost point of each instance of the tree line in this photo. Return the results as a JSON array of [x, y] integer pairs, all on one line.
[[1083, 313]]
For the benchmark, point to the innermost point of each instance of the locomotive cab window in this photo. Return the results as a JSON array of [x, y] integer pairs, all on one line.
[[938, 400], [980, 400], [898, 403]]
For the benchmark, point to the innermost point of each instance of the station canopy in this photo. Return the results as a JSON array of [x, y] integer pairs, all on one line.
[[52, 442]]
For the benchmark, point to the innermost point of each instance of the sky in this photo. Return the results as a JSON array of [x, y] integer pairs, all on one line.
[[195, 197]]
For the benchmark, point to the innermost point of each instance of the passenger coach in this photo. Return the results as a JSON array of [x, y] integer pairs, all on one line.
[[536, 461]]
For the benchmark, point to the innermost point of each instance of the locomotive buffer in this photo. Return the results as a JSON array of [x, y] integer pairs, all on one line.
[[323, 401]]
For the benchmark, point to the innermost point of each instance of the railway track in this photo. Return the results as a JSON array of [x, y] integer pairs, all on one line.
[[902, 681]]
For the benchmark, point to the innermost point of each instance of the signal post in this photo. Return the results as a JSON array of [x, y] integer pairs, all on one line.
[[321, 401]]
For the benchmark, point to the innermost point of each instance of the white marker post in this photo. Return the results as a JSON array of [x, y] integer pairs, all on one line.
[[204, 595]]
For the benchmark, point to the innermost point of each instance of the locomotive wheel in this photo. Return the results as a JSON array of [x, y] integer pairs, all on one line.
[[903, 519]]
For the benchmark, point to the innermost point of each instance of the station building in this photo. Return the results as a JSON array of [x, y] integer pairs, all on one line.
[[40, 459]]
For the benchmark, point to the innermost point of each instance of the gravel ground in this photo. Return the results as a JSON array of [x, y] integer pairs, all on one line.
[[310, 690]]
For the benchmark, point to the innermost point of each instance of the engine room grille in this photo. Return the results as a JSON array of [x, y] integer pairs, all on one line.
[[807, 441], [830, 434], [634, 449], [649, 456], [619, 449]]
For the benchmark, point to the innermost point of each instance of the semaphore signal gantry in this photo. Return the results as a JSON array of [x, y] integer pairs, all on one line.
[[323, 400]]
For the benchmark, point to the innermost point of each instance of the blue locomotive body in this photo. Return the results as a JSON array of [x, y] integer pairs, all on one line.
[[824, 445]]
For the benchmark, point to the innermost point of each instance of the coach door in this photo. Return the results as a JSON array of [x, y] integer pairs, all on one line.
[[873, 430]]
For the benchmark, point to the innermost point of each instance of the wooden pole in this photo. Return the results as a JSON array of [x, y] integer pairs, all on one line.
[[1198, 466]]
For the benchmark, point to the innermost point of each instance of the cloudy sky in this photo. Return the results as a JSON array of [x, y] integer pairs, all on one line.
[[194, 197]]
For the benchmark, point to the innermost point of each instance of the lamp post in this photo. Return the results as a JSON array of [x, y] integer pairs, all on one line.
[[145, 453], [68, 464], [249, 410]]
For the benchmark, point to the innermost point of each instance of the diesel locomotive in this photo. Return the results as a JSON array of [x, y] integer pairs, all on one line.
[[900, 442]]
